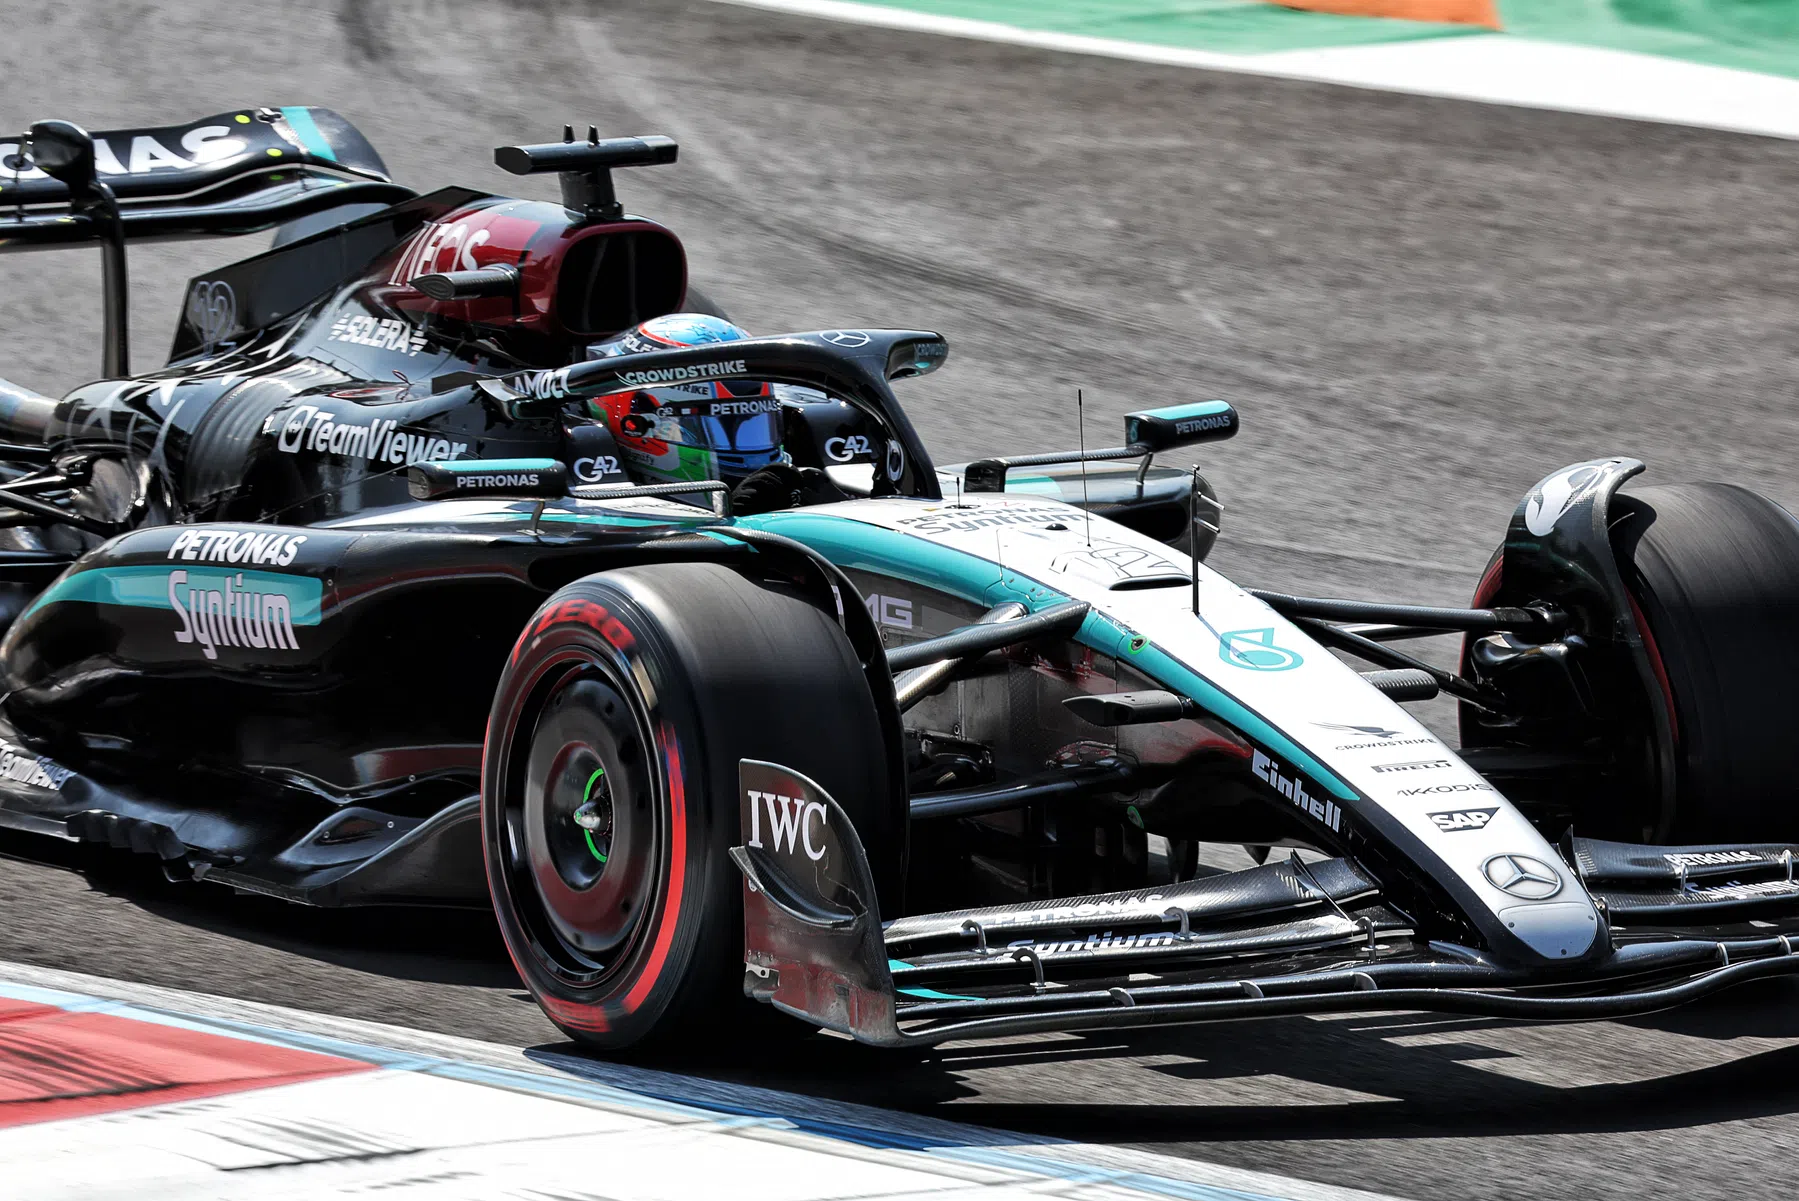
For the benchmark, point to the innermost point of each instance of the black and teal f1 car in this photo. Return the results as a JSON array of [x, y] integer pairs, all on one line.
[[355, 600]]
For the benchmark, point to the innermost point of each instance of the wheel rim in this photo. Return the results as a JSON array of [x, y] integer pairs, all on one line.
[[585, 829]]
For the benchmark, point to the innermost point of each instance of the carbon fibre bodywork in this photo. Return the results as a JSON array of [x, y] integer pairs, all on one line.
[[270, 662]]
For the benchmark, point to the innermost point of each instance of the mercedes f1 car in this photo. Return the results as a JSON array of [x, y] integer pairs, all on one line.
[[356, 601]]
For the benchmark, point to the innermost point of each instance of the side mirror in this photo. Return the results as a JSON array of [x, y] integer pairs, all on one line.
[[1180, 425], [909, 358], [63, 151]]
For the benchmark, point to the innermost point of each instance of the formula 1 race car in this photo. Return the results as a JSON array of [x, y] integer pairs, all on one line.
[[358, 601]]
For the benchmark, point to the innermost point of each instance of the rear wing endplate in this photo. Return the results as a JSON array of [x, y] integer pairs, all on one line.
[[236, 172]]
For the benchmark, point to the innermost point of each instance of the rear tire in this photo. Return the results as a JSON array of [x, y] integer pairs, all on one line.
[[631, 696], [1714, 572]]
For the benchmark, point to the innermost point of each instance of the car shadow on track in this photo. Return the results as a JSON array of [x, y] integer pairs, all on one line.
[[1410, 1075], [429, 946], [1285, 1079]]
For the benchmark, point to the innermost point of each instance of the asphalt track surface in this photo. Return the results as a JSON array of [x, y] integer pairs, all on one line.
[[1419, 306]]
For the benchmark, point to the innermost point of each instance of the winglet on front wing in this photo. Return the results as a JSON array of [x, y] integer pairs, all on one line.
[[811, 929]]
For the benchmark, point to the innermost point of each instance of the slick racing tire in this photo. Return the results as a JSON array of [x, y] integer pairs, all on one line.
[[629, 701], [1713, 570]]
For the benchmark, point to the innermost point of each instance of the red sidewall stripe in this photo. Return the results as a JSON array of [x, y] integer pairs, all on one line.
[[677, 871], [1656, 665]]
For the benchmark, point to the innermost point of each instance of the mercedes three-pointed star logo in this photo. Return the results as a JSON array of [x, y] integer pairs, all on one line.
[[847, 337], [1522, 876]]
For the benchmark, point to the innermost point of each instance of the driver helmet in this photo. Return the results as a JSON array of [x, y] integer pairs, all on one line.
[[716, 430]]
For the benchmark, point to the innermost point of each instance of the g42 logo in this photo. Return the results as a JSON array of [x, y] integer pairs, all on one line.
[[593, 469], [1255, 650], [847, 449]]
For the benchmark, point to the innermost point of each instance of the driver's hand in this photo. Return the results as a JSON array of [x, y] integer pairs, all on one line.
[[783, 486]]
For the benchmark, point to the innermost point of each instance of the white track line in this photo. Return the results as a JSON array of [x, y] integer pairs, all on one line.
[[1064, 1169], [1490, 68]]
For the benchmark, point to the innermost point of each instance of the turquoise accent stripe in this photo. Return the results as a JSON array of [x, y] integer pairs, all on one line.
[[306, 129], [147, 587], [470, 466], [1103, 635], [862, 547], [1038, 485], [858, 546], [1199, 408], [928, 994], [552, 517]]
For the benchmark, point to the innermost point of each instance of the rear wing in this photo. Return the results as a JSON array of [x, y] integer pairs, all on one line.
[[237, 172], [234, 173]]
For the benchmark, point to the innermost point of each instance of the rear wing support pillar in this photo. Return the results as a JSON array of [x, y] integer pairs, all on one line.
[[65, 152]]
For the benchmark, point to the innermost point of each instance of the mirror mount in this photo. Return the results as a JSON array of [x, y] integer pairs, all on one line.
[[1146, 432], [65, 152]]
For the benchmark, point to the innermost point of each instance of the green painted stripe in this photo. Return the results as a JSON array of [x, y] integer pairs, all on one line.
[[306, 129], [1222, 26], [1750, 35], [147, 587]]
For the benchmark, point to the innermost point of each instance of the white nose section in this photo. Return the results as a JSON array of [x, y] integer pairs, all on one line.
[[1558, 930]]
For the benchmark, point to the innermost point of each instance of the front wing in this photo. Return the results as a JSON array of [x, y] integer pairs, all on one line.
[[1283, 938]]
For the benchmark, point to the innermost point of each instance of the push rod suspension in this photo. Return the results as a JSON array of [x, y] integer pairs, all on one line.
[[1472, 621]]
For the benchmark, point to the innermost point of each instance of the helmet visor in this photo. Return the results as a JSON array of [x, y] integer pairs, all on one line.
[[739, 434]]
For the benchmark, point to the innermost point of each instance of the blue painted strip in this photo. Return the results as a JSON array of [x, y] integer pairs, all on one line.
[[306, 129], [147, 587], [579, 1082]]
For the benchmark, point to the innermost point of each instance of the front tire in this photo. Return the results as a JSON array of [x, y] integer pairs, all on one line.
[[1714, 572], [609, 787]]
